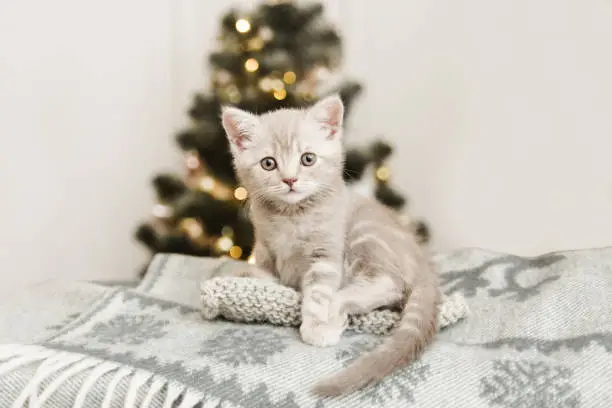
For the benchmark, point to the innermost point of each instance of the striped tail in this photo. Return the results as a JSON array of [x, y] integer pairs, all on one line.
[[414, 332]]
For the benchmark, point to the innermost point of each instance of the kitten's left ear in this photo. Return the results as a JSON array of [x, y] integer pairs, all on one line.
[[329, 111]]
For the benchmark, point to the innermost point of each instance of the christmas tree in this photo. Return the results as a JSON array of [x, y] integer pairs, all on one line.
[[277, 55]]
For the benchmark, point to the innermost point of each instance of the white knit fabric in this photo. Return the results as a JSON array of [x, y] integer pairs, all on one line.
[[242, 299]]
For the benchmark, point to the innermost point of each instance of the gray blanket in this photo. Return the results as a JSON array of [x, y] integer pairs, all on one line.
[[539, 335]]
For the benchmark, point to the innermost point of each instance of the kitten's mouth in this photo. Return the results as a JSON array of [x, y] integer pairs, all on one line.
[[293, 196]]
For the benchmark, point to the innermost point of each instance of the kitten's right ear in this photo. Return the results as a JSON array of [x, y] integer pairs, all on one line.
[[329, 112], [239, 126]]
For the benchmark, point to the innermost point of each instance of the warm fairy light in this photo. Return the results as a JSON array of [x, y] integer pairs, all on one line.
[[241, 193], [383, 173], [266, 33], [192, 161], [222, 192], [192, 227], [223, 77], [251, 259], [243, 25], [265, 84], [227, 231], [235, 252], [255, 44], [233, 94], [207, 183], [225, 243], [289, 77], [162, 211], [251, 65], [277, 84], [280, 94]]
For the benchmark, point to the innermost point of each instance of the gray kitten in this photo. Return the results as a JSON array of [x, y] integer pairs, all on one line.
[[345, 253]]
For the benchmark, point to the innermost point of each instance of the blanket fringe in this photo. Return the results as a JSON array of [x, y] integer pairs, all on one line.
[[95, 375], [49, 366], [174, 392], [156, 386], [54, 369]]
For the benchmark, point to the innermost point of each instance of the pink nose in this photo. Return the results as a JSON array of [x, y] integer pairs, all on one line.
[[289, 181]]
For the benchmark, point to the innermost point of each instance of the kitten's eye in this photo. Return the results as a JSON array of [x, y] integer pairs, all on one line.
[[308, 159], [268, 163]]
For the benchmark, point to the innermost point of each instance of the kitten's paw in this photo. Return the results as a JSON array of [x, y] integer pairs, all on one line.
[[317, 303], [317, 333]]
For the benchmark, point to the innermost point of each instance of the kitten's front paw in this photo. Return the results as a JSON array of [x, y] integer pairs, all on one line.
[[321, 334]]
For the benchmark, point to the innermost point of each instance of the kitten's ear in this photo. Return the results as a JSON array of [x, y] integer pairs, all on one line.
[[329, 111], [239, 125]]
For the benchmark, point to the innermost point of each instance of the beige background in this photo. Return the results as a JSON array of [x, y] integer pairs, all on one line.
[[501, 112]]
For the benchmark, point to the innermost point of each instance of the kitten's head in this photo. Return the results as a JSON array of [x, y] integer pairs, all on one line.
[[288, 155]]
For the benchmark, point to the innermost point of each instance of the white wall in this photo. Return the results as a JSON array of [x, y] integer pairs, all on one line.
[[501, 112], [85, 115], [502, 115]]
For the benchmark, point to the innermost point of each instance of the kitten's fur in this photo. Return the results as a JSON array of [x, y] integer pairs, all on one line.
[[347, 254]]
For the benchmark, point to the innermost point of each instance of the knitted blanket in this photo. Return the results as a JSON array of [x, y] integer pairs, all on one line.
[[539, 334]]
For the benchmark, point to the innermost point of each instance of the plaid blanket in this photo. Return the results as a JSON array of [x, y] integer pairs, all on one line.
[[539, 335]]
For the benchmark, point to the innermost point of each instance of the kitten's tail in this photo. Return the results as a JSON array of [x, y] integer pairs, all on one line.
[[414, 332]]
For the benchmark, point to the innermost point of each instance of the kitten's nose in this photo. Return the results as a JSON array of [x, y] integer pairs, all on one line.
[[289, 181]]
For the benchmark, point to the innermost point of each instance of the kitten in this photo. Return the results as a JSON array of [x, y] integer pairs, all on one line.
[[347, 254]]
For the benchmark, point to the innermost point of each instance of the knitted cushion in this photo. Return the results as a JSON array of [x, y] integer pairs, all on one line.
[[242, 299]]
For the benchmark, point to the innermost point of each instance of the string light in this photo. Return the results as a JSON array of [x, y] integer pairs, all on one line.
[[251, 259], [383, 173], [224, 244], [255, 44], [251, 65], [235, 252], [265, 84], [222, 192], [266, 33], [207, 183], [162, 211], [241, 193], [277, 84], [289, 77], [233, 94], [192, 227], [223, 77], [280, 94], [243, 25], [192, 161]]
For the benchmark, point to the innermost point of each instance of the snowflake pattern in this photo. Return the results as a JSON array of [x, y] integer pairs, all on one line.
[[399, 385], [523, 383], [469, 280], [236, 345], [130, 329]]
